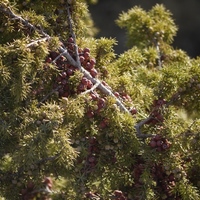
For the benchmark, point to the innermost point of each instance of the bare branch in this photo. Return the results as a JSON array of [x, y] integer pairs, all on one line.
[[92, 89], [141, 123], [61, 54], [8, 11], [37, 41], [73, 35], [159, 55], [157, 45]]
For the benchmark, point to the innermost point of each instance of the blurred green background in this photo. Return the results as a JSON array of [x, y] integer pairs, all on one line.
[[186, 15]]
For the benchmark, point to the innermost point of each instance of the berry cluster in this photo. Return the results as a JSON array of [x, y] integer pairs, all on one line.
[[66, 70], [165, 181], [27, 192], [137, 172], [100, 103], [63, 81], [156, 113], [32, 192], [42, 119], [165, 178], [159, 143], [89, 153], [93, 153], [124, 96]]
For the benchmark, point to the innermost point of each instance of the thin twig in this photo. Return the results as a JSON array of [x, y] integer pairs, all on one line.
[[70, 21], [156, 43], [73, 36], [48, 95], [37, 41], [91, 89], [9, 12], [159, 56], [139, 124], [50, 158], [61, 54]]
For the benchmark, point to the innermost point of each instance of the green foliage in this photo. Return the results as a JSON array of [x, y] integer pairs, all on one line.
[[85, 123], [143, 28]]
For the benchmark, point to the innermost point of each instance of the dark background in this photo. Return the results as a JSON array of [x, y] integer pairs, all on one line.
[[186, 14]]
